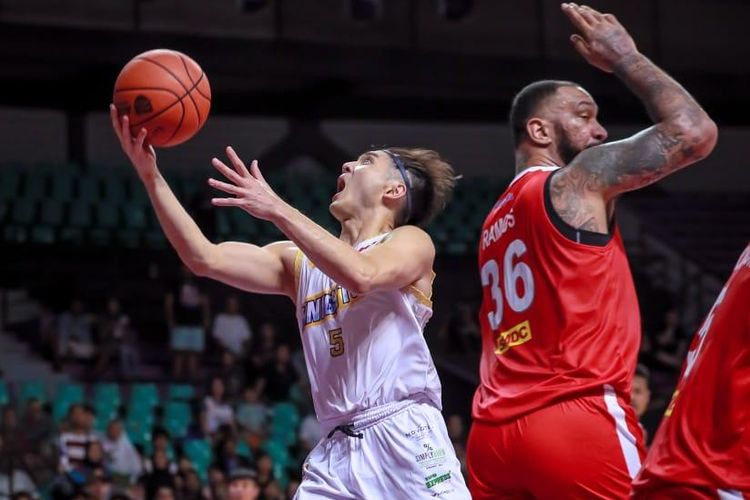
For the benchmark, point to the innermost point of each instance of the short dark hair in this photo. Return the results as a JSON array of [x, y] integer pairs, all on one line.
[[643, 371], [432, 181], [526, 102]]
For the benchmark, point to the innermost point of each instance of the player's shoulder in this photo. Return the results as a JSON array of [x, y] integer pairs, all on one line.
[[286, 250], [411, 237]]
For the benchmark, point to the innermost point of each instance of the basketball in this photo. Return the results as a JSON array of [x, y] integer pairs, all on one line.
[[167, 93]]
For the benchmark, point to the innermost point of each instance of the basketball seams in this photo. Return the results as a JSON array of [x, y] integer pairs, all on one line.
[[179, 125], [195, 84]]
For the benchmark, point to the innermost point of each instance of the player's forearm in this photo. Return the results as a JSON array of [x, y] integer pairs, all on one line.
[[665, 100], [335, 258], [181, 230]]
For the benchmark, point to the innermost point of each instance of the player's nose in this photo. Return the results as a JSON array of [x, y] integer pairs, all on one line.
[[348, 167], [599, 133]]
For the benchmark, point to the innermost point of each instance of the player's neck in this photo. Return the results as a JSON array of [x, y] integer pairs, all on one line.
[[355, 230], [527, 158]]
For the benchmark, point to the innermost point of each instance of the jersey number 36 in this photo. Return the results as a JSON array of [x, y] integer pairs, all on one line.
[[512, 273]]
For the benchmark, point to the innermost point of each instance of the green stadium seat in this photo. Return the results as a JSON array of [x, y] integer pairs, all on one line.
[[67, 394], [285, 414], [4, 395], [115, 185], [144, 395], [32, 389], [79, 214], [23, 212], [15, 234], [35, 187], [134, 215], [243, 450], [43, 234], [63, 185], [89, 189], [107, 394], [155, 239], [107, 215], [180, 392], [52, 213], [10, 182], [128, 238], [200, 454]]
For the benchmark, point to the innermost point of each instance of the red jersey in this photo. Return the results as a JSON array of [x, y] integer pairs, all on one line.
[[559, 314], [704, 439]]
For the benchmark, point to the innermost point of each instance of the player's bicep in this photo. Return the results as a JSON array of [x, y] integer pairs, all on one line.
[[255, 269], [401, 260]]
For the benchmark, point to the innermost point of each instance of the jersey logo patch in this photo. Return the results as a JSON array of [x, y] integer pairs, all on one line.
[[317, 308], [519, 334]]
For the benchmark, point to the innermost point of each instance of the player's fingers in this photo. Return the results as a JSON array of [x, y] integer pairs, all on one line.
[[226, 202], [580, 45], [255, 171], [239, 165], [115, 119], [573, 12], [591, 14], [226, 171], [140, 139], [126, 137], [224, 186]]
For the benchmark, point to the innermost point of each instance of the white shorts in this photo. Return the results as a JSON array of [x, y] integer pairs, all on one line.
[[403, 452]]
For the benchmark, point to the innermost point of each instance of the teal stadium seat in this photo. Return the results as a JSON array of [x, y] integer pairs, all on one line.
[[32, 389], [10, 182], [89, 189], [4, 394], [180, 392]]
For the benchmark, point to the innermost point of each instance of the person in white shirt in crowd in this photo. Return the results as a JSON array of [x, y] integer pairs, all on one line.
[[231, 329], [218, 411], [121, 457]]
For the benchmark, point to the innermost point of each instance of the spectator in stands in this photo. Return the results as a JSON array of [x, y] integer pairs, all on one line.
[[22, 483], [116, 339], [159, 473], [95, 460], [291, 487], [251, 413], [191, 486], [231, 329], [226, 456], [218, 410], [74, 332], [273, 491], [243, 485], [233, 374], [264, 466], [280, 375], [187, 316], [163, 492], [640, 395], [122, 458], [262, 351], [217, 487], [75, 439], [161, 441], [97, 486], [40, 456], [668, 349]]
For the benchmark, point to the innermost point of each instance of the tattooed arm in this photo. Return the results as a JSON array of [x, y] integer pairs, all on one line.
[[683, 133]]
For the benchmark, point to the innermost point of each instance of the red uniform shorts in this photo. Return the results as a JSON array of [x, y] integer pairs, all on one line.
[[588, 447]]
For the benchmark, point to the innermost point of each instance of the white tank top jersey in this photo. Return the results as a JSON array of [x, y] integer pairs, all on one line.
[[364, 351]]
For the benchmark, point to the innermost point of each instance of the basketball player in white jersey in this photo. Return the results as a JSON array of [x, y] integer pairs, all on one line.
[[362, 302]]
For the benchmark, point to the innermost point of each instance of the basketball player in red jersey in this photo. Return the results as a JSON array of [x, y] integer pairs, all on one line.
[[702, 448], [560, 319]]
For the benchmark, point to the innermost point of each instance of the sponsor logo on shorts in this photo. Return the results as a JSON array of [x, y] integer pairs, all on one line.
[[435, 479], [516, 336], [431, 457], [418, 432]]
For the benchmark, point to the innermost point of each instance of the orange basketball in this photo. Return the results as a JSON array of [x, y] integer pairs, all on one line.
[[165, 92]]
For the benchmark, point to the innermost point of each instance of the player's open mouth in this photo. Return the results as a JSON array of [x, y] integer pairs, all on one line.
[[340, 184]]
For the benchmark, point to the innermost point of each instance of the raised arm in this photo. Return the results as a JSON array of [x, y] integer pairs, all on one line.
[[683, 133], [268, 269], [403, 259]]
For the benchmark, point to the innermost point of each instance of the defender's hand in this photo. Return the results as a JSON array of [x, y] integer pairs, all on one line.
[[603, 41]]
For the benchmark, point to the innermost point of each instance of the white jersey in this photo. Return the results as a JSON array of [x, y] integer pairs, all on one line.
[[364, 351]]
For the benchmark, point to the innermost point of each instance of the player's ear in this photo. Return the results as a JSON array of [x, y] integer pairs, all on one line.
[[539, 131], [393, 191]]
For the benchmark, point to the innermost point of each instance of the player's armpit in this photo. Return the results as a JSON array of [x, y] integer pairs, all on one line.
[[580, 191], [268, 269], [402, 259]]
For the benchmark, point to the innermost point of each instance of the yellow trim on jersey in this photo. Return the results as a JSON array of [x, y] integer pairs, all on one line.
[[419, 295], [297, 269]]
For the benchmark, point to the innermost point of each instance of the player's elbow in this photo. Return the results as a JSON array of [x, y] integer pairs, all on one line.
[[361, 285], [699, 135], [202, 264]]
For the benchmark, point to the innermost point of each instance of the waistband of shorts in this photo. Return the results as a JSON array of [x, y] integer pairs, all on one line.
[[371, 416]]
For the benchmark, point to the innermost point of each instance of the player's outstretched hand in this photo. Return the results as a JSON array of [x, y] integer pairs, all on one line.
[[140, 153], [251, 191], [602, 41]]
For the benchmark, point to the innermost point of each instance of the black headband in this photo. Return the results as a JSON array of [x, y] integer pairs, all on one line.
[[401, 168]]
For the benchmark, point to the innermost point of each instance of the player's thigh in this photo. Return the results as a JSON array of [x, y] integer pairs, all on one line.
[[489, 458], [319, 479], [411, 457], [575, 449]]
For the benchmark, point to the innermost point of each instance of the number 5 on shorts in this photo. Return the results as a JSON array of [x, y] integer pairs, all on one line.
[[336, 340]]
